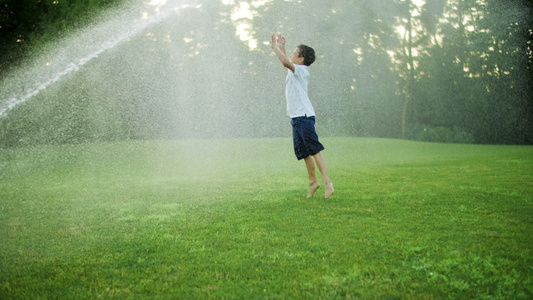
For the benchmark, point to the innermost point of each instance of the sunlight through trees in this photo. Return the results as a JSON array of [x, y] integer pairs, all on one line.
[[433, 70]]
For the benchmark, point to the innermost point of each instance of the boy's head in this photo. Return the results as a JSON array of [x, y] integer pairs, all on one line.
[[303, 55]]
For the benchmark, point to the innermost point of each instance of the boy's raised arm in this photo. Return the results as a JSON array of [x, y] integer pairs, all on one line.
[[279, 48]]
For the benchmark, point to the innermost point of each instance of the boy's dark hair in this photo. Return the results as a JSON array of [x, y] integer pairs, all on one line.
[[307, 53]]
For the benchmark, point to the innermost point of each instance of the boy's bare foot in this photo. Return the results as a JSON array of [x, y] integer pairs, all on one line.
[[329, 189], [312, 188]]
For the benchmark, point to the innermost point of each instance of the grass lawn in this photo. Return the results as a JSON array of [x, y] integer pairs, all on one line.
[[229, 219]]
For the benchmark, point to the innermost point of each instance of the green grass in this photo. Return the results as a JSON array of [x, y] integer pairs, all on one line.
[[229, 219]]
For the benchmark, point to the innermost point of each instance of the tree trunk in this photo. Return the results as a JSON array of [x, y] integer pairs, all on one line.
[[410, 67]]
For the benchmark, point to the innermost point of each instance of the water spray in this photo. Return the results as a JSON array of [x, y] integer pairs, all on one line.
[[73, 53]]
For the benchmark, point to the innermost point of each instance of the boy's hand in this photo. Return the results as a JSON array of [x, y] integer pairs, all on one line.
[[281, 41]]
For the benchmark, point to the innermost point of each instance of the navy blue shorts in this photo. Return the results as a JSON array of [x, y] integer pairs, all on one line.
[[304, 137]]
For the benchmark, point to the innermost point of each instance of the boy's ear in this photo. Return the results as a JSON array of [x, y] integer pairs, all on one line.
[[301, 59]]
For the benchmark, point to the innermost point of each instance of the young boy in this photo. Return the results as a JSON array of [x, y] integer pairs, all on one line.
[[301, 112]]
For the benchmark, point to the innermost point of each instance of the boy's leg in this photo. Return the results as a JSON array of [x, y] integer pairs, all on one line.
[[321, 163], [313, 183]]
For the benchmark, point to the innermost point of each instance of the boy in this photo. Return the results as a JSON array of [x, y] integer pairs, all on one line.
[[301, 112]]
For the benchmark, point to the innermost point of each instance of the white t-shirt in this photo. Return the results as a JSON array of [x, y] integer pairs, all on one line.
[[298, 103]]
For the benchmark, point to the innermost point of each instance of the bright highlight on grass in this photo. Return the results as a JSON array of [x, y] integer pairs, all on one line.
[[229, 218]]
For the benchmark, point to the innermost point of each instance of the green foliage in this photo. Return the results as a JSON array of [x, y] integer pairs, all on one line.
[[441, 134], [208, 219]]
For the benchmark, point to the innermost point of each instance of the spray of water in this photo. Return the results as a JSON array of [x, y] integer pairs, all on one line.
[[76, 51]]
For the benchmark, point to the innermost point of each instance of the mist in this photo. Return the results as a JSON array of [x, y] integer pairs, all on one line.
[[445, 71]]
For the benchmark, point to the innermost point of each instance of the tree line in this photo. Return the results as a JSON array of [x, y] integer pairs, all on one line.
[[438, 70]]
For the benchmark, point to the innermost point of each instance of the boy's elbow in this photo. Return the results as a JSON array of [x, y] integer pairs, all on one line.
[[288, 65]]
